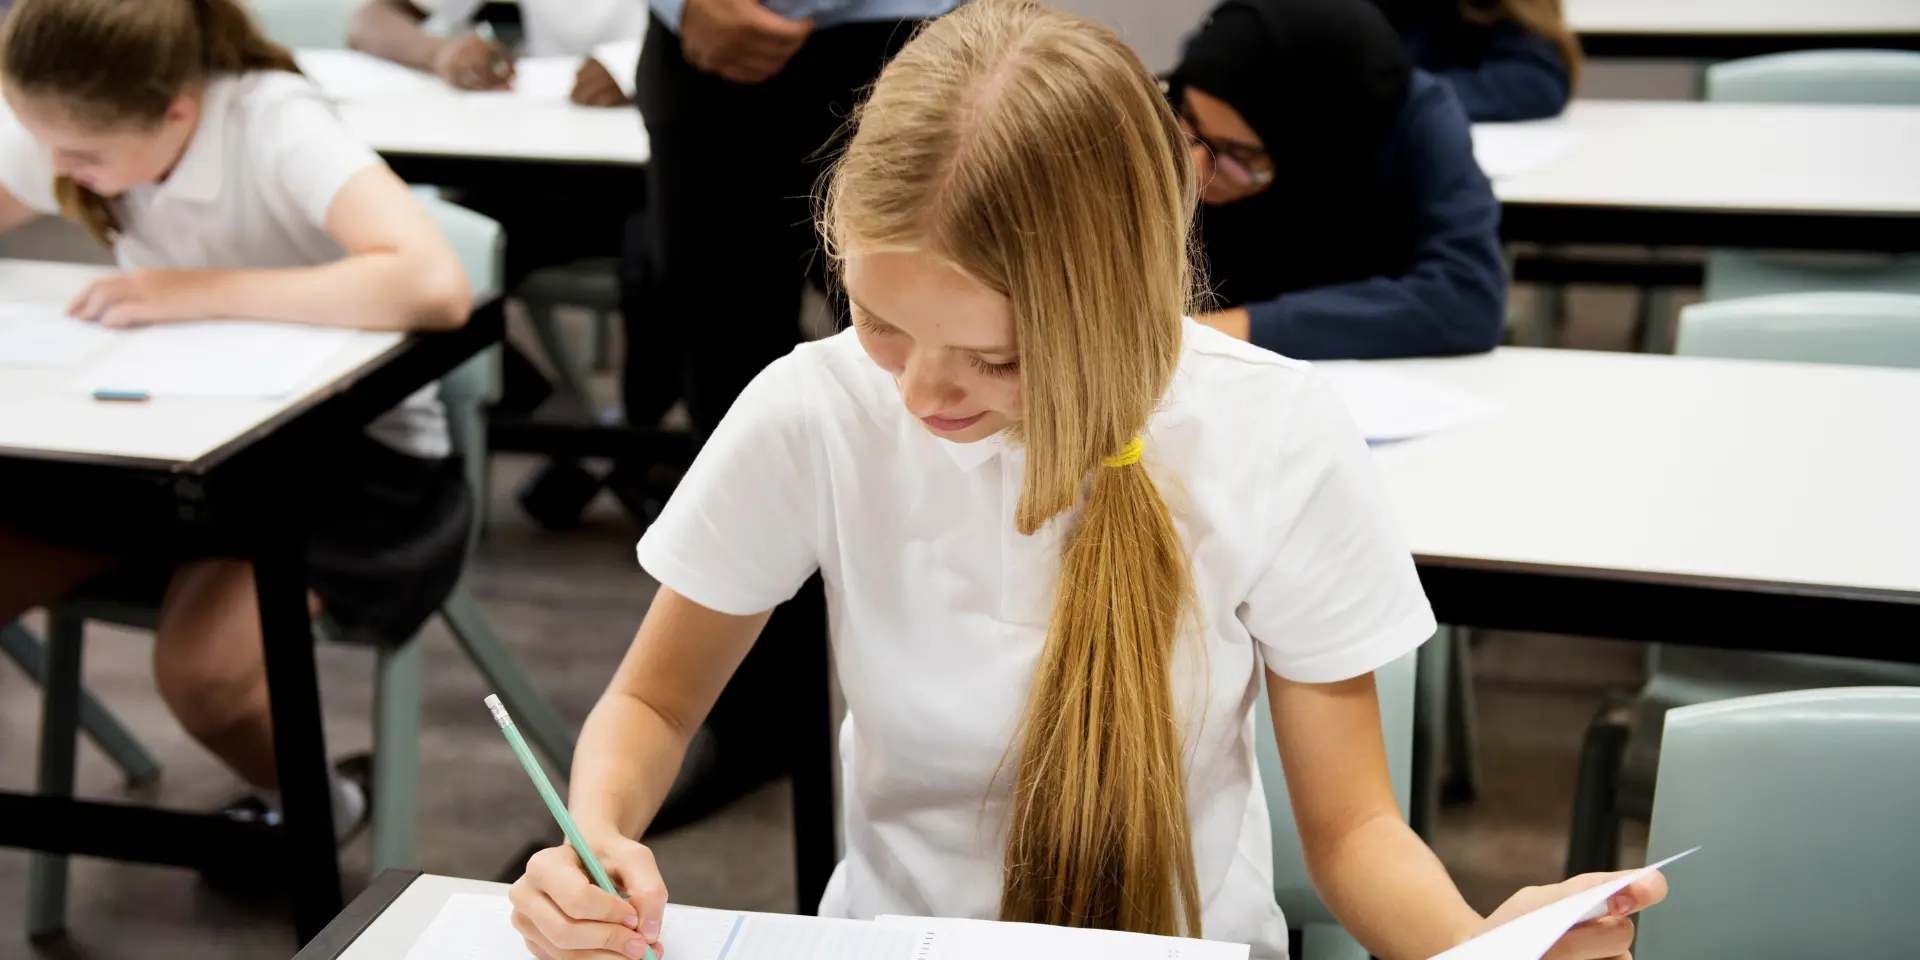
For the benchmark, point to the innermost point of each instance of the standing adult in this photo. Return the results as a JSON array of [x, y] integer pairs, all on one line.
[[742, 100]]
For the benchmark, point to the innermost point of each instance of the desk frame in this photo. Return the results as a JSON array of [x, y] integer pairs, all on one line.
[[1662, 45], [237, 493]]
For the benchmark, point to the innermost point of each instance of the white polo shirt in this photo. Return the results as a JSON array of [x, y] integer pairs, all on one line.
[[250, 192], [938, 608]]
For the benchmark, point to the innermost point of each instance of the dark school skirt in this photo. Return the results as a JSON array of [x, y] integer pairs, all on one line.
[[387, 537]]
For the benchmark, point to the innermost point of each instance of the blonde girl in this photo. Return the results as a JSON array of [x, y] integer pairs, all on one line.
[[1063, 531]]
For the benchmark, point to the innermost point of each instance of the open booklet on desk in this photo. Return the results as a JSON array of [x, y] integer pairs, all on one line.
[[477, 927]]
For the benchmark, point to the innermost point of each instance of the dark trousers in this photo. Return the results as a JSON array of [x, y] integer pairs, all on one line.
[[729, 237], [714, 278]]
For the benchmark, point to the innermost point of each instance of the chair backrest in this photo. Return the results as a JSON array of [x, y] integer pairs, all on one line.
[[1865, 329], [476, 384], [305, 24], [1804, 805], [1395, 683], [1818, 76]]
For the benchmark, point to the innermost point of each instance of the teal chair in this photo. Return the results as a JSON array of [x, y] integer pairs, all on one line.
[[1803, 805], [69, 708], [305, 24], [1623, 745], [1321, 936], [1813, 76]]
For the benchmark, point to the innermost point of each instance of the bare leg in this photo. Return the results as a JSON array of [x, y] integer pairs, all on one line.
[[210, 668], [33, 573]]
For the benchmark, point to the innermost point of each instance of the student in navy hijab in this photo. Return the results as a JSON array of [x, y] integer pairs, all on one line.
[[1504, 59], [1342, 212]]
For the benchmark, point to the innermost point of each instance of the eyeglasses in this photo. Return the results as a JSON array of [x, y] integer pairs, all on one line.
[[1246, 165]]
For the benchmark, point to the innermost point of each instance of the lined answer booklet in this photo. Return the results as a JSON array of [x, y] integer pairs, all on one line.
[[477, 927]]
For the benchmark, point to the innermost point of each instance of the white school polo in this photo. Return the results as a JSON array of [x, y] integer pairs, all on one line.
[[938, 607], [251, 191]]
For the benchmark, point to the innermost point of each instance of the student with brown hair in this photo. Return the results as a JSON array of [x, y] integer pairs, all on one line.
[[1065, 534], [179, 135], [1504, 59]]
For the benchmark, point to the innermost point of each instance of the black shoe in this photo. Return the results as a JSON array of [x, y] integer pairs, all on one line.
[[251, 808]]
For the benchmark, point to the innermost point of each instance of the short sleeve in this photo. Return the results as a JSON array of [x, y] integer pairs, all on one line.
[[26, 172], [741, 533], [309, 152], [1339, 596]]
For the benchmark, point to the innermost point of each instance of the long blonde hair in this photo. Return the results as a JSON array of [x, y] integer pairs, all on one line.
[[1033, 151], [119, 63]]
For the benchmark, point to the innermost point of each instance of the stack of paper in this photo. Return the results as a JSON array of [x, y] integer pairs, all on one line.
[[42, 335], [218, 358], [1388, 405], [1509, 149]]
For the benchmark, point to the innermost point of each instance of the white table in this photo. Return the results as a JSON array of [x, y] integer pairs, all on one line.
[[231, 476], [384, 921], [38, 417], [409, 116], [1717, 174], [1747, 504], [1736, 28]]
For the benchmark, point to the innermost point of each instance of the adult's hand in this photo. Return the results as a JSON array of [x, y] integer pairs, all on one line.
[[1606, 938], [739, 40]]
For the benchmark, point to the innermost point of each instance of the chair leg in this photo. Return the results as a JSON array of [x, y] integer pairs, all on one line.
[[96, 721], [1549, 313], [546, 325], [1462, 781], [396, 757], [600, 339], [532, 712], [59, 747], [1651, 333], [1593, 843]]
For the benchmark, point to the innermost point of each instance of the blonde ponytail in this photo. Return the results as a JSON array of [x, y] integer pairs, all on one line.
[[155, 50], [1033, 151]]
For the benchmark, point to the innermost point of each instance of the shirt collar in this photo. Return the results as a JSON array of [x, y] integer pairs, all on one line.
[[969, 456], [197, 177]]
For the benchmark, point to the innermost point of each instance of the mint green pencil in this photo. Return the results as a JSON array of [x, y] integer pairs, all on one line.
[[554, 806]]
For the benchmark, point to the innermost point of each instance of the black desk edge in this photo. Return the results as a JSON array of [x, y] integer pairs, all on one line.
[[1653, 45], [350, 923]]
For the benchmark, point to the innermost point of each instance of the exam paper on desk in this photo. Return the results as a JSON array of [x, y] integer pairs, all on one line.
[[42, 335], [478, 927], [217, 358], [1389, 406]]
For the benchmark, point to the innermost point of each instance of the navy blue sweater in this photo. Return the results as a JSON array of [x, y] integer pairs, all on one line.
[[1450, 294], [1500, 72]]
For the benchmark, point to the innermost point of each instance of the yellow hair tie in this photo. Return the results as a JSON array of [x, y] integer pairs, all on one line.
[[1127, 457]]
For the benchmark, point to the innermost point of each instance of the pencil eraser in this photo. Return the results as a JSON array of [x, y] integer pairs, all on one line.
[[123, 396]]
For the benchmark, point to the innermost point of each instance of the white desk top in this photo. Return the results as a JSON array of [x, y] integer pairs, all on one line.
[[1744, 17], [400, 111], [1675, 467], [402, 923], [1727, 156], [37, 413]]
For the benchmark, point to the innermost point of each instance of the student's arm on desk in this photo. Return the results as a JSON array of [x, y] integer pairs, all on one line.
[[1379, 879], [399, 274], [627, 757], [393, 30]]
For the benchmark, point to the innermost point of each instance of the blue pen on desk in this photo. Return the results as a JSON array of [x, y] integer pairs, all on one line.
[[122, 396], [554, 806]]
